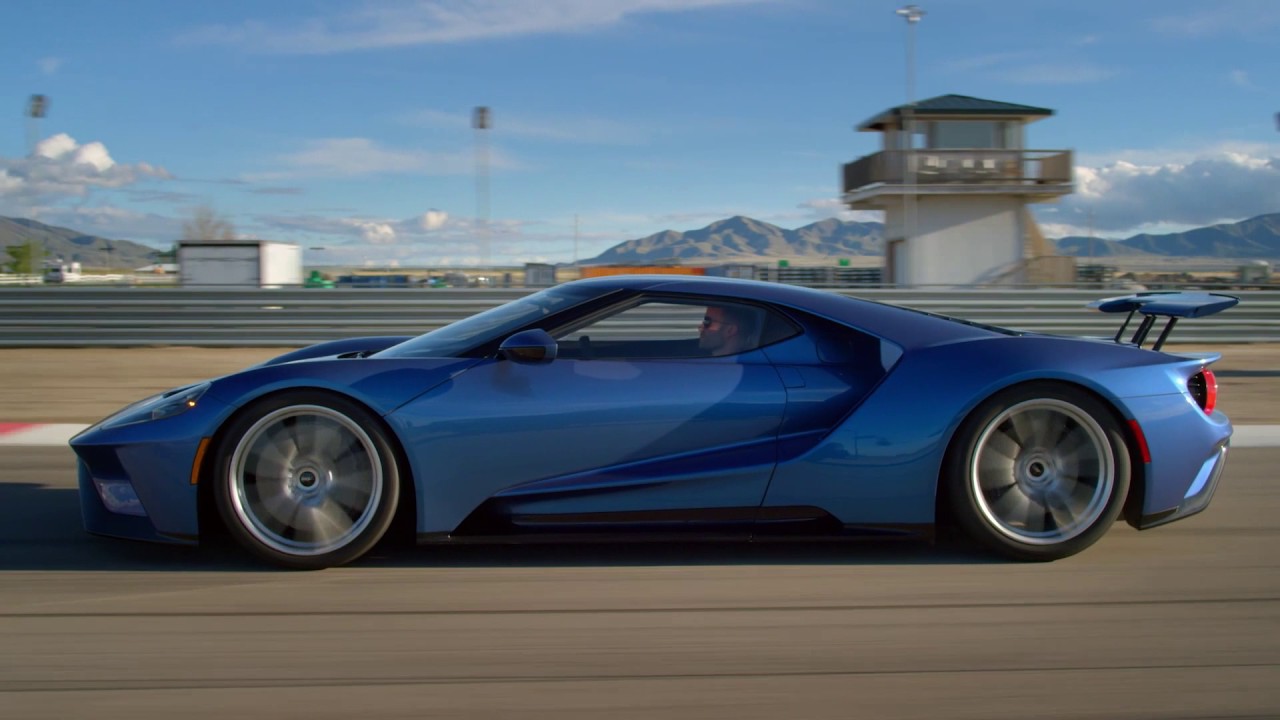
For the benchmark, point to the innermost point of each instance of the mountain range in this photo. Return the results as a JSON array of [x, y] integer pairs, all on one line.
[[738, 238], [1257, 237], [742, 238], [70, 245]]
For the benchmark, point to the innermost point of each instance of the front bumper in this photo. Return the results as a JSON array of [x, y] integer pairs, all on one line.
[[152, 462], [101, 521]]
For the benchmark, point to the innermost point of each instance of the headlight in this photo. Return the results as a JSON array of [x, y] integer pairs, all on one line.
[[159, 407]]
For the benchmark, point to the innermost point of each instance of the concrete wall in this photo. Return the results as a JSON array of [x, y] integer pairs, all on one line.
[[958, 240]]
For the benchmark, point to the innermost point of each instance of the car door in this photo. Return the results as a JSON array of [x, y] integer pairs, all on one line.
[[632, 425]]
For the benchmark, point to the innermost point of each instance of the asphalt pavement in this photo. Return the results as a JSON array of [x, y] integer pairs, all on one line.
[[1178, 622], [1181, 621]]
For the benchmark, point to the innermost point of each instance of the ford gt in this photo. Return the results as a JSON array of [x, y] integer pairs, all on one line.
[[640, 407]]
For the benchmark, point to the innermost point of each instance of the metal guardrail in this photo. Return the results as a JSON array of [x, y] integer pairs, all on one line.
[[17, 279], [126, 317]]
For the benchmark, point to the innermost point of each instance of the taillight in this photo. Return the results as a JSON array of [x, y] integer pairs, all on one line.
[[1204, 388]]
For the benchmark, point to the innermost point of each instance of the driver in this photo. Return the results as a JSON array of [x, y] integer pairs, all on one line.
[[724, 329]]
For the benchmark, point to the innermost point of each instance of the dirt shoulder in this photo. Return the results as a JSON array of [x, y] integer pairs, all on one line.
[[84, 385]]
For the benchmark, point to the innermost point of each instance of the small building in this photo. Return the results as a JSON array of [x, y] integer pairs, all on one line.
[[239, 263], [539, 275], [61, 272], [954, 178]]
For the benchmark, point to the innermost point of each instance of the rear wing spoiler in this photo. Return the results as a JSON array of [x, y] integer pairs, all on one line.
[[1170, 304]]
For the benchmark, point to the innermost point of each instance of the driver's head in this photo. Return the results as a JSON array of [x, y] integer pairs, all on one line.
[[723, 330]]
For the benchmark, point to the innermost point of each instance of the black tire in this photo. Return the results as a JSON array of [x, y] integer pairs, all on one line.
[[306, 480], [1038, 472]]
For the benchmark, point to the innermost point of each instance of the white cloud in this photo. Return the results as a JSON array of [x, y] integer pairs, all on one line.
[[1240, 78], [315, 226], [354, 157], [49, 65], [430, 239], [95, 154], [150, 170], [433, 224], [1127, 196], [377, 233], [1037, 66], [1255, 19], [276, 191], [428, 22], [823, 208], [585, 130], [1176, 156], [432, 220], [60, 166], [115, 222], [357, 156], [59, 145]]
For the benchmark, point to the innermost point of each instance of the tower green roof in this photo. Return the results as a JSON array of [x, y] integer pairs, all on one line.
[[945, 105]]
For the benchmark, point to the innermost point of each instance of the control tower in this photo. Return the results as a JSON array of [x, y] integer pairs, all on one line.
[[954, 179]]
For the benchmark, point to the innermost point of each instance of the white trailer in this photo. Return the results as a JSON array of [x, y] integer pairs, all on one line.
[[63, 272], [239, 263]]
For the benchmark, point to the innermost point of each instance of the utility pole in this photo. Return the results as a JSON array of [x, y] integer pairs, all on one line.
[[575, 240]]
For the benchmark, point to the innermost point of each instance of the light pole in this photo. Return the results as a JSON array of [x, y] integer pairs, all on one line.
[[912, 14], [37, 108], [481, 121]]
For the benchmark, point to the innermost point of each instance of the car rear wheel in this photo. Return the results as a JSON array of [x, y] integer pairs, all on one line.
[[1038, 472], [307, 480]]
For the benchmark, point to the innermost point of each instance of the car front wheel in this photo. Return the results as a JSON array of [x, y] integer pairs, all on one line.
[[307, 480]]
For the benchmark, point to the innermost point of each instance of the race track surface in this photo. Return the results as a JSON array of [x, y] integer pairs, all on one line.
[[1177, 622]]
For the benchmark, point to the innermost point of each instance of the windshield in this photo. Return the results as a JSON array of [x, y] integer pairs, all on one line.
[[456, 338]]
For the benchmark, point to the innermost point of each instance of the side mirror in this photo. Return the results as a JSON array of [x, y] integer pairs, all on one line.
[[530, 347]]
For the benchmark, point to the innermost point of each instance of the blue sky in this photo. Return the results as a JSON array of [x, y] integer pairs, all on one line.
[[344, 124]]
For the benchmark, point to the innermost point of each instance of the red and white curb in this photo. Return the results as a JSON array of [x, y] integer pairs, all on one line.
[[41, 434], [1256, 436], [38, 434]]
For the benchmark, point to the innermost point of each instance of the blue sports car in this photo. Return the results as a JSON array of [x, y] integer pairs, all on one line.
[[669, 406]]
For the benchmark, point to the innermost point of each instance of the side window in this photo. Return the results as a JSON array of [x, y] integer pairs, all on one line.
[[672, 328]]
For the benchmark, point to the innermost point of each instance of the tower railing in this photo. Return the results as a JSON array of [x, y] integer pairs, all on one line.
[[968, 167]]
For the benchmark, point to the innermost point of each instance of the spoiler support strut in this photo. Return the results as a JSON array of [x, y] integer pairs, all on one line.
[[1173, 305]]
